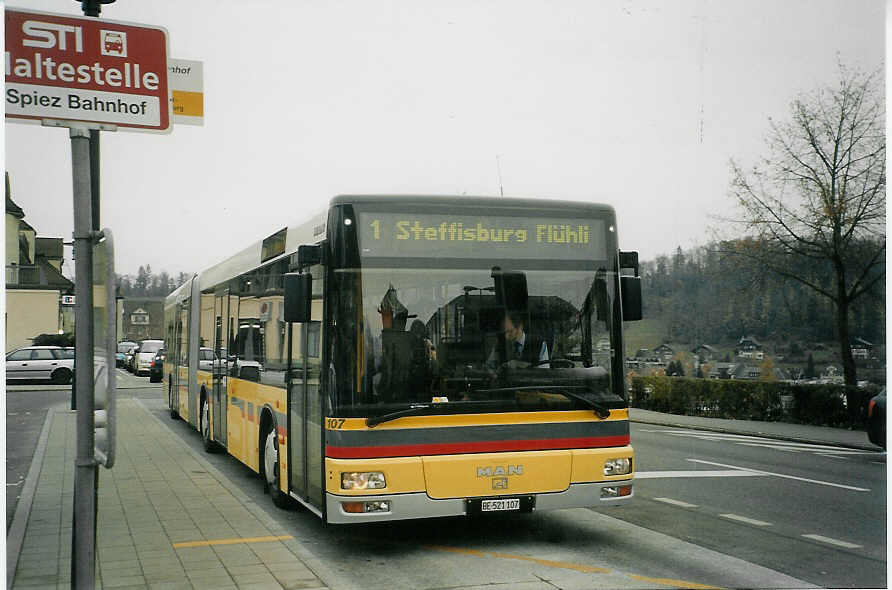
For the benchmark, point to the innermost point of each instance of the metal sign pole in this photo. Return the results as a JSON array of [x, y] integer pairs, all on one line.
[[83, 534]]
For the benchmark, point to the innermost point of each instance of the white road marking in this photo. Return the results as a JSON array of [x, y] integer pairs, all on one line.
[[832, 541], [775, 446], [805, 479], [675, 502], [670, 474], [834, 456], [758, 441], [745, 519]]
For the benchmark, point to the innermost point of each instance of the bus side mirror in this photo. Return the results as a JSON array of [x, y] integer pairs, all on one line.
[[630, 288], [298, 296]]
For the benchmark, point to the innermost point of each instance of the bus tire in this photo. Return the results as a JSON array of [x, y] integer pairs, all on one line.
[[271, 469], [204, 425], [174, 414]]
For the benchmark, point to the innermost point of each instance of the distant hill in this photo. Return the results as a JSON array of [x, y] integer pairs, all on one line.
[[700, 297]]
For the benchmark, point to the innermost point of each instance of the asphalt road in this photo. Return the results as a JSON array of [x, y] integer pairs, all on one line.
[[710, 509], [815, 513]]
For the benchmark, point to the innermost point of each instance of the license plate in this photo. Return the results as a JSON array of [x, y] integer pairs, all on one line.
[[498, 505]]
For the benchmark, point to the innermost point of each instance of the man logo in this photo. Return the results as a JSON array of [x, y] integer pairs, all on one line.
[[500, 483], [500, 470]]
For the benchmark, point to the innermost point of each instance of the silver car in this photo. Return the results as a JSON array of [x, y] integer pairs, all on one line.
[[142, 360], [40, 363]]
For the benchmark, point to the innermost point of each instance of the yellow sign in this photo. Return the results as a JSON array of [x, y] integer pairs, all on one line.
[[188, 104], [186, 80]]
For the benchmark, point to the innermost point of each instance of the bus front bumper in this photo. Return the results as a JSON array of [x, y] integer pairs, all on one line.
[[420, 505]]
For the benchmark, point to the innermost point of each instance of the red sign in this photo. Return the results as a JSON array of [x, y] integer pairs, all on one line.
[[91, 70]]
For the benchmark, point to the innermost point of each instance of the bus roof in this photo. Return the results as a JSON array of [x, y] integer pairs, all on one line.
[[474, 201]]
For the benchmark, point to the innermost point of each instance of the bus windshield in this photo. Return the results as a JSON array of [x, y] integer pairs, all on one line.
[[531, 329]]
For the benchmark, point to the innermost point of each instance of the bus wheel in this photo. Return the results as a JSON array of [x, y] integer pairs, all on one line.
[[173, 412], [271, 469], [205, 422]]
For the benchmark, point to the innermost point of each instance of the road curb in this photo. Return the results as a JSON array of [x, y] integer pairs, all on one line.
[[19, 526], [771, 435]]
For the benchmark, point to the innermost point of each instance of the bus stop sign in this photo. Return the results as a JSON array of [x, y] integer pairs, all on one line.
[[69, 68]]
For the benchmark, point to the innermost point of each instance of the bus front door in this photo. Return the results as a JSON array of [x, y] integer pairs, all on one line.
[[305, 408], [220, 398]]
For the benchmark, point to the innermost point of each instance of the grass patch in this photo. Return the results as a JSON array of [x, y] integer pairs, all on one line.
[[646, 333]]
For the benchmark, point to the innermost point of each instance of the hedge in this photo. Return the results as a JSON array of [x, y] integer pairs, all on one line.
[[820, 405]]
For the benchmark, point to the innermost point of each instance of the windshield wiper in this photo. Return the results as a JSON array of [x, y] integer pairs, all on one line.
[[412, 410], [600, 410]]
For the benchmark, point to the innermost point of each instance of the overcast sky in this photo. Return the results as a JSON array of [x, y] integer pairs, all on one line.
[[633, 103]]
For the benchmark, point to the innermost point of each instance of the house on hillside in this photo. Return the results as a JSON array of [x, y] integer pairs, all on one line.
[[735, 371], [785, 375], [749, 348], [142, 318], [861, 349], [705, 353], [664, 352], [723, 371]]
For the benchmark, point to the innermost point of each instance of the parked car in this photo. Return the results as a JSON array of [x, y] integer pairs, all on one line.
[[205, 359], [876, 419], [129, 358], [147, 350], [40, 362], [156, 369], [121, 355]]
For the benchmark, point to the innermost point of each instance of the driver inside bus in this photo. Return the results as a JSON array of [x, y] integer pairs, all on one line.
[[521, 349]]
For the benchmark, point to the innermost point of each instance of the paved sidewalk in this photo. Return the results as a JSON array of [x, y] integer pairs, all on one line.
[[853, 439], [167, 518]]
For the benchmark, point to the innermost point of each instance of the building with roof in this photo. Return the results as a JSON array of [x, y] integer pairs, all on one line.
[[142, 318], [39, 298]]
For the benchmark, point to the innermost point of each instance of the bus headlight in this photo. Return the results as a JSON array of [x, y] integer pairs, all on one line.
[[618, 466], [370, 480]]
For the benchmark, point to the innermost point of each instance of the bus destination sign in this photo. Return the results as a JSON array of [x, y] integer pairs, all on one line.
[[463, 236], [69, 68]]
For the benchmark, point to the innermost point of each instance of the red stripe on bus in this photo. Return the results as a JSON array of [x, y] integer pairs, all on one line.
[[474, 447]]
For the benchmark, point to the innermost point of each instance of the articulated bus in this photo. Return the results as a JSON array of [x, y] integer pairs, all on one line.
[[398, 357]]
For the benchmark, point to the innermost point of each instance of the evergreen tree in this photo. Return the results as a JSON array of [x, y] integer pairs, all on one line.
[[142, 282]]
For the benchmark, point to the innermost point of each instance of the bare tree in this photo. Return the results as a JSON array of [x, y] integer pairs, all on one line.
[[818, 199]]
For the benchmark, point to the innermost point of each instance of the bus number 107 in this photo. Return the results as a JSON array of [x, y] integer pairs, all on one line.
[[334, 423]]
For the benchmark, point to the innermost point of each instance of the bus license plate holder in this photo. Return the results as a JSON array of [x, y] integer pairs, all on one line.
[[504, 504]]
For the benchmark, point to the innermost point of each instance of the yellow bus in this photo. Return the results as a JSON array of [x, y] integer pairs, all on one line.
[[398, 357]]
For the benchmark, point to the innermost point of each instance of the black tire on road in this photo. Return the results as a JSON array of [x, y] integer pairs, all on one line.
[[204, 424], [61, 376], [270, 460], [174, 414]]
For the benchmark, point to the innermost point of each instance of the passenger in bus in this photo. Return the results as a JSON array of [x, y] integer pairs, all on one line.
[[408, 365], [521, 349]]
